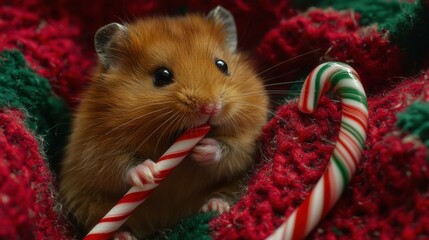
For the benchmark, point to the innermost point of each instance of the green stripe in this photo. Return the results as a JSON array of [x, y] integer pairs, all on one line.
[[348, 92], [353, 94], [338, 76], [353, 132], [317, 82], [343, 169]]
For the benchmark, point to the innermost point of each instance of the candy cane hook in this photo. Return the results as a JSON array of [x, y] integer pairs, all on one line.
[[136, 195], [343, 80]]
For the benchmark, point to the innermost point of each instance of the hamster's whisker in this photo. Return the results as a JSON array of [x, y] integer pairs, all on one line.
[[282, 92], [153, 103], [244, 94], [172, 122], [180, 124], [154, 131], [96, 136], [288, 60], [239, 117], [283, 83], [269, 111], [282, 75], [134, 119], [277, 103], [155, 118], [247, 124]]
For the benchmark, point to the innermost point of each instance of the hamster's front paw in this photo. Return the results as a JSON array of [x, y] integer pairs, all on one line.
[[208, 151], [219, 205], [143, 173], [124, 236]]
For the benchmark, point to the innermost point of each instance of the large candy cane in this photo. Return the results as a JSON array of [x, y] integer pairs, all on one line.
[[343, 80], [136, 195]]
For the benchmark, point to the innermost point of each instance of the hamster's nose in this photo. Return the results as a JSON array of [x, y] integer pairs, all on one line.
[[210, 108]]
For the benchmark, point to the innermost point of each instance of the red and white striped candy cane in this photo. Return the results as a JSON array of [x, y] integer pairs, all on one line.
[[136, 195], [343, 80]]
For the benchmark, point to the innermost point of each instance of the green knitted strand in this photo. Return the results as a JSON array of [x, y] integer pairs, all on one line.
[[194, 227], [371, 11], [415, 120], [46, 115], [409, 31]]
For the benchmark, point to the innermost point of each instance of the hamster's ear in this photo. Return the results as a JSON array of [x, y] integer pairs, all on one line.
[[222, 16], [104, 40]]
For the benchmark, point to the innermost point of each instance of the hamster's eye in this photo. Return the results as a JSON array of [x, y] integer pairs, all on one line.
[[162, 76], [222, 66]]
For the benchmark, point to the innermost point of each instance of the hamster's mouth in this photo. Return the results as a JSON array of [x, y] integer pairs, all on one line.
[[203, 118], [213, 120]]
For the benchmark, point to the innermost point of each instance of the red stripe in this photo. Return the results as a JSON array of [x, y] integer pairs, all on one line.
[[307, 92], [175, 155], [195, 132], [135, 196], [354, 118], [162, 175], [354, 108], [326, 87], [355, 146], [327, 190], [301, 219], [355, 161], [98, 236], [343, 157], [356, 114], [116, 218]]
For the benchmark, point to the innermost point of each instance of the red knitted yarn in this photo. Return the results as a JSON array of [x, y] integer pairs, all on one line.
[[254, 18], [248, 15], [387, 197], [49, 46], [338, 37], [27, 198]]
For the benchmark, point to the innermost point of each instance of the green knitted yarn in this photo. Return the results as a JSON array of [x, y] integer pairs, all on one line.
[[371, 11], [409, 30], [195, 227], [45, 114], [415, 120], [407, 23]]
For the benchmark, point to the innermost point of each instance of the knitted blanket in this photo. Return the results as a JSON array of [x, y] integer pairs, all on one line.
[[46, 55]]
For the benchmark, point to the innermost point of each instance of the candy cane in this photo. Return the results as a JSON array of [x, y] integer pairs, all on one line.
[[136, 195], [343, 80]]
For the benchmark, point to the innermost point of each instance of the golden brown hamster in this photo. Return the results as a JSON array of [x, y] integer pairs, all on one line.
[[156, 78]]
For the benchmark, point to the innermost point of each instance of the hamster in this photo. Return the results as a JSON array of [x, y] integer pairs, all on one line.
[[156, 78]]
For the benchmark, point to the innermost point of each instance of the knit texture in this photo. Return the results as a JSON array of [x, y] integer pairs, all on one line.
[[48, 44], [385, 41], [29, 206], [45, 113]]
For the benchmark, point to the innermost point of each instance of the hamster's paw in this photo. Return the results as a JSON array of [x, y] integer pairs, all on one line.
[[207, 151], [124, 236], [219, 205], [143, 173]]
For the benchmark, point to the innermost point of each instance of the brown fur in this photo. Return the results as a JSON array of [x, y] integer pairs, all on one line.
[[122, 108]]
